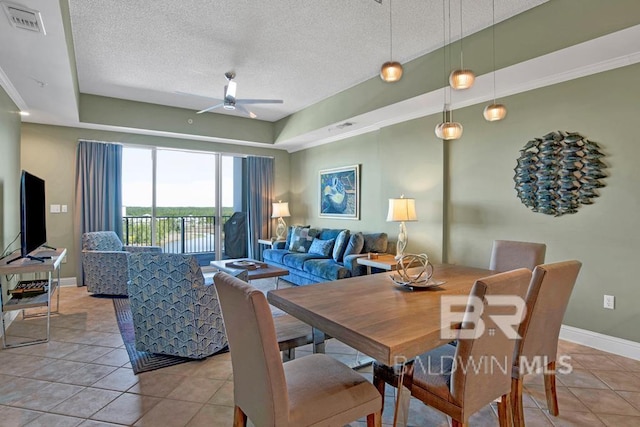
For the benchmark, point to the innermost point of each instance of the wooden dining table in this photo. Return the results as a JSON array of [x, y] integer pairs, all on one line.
[[376, 316]]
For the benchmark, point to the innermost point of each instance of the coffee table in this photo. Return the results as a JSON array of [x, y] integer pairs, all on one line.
[[262, 271]]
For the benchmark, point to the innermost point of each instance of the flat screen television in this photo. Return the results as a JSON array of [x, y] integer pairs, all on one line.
[[33, 224]]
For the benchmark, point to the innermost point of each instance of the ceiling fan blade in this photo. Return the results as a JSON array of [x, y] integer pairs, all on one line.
[[259, 101], [177, 92], [245, 111], [206, 110]]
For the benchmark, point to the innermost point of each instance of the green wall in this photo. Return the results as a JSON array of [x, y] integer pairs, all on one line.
[[477, 195], [50, 153], [9, 174], [401, 159]]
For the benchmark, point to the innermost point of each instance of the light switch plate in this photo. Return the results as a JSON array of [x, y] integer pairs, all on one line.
[[55, 209]]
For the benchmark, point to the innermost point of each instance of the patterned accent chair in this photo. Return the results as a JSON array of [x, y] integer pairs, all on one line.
[[174, 311], [105, 262]]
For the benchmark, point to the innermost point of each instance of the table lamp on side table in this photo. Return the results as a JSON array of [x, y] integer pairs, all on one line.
[[402, 210], [280, 210]]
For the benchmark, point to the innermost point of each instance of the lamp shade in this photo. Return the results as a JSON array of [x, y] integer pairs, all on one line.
[[402, 210], [391, 71], [461, 79], [449, 130], [280, 210], [494, 112]]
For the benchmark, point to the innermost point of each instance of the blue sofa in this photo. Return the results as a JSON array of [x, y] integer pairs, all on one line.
[[320, 255]]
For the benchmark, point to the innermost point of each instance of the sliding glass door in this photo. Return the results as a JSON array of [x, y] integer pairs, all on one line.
[[182, 200]]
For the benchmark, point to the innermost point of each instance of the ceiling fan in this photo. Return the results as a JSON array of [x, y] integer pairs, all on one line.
[[231, 103]]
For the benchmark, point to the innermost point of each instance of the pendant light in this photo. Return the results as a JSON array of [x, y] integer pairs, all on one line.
[[494, 111], [447, 130], [391, 71], [461, 78]]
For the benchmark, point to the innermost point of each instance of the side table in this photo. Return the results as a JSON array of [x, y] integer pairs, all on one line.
[[26, 266], [386, 262]]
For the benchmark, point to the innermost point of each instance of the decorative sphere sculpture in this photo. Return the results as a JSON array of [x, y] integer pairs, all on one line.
[[421, 267]]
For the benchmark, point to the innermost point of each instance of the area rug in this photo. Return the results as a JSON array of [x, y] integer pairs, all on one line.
[[141, 361]]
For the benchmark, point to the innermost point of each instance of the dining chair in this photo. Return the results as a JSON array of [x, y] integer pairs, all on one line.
[[508, 255], [547, 299], [460, 380], [314, 390]]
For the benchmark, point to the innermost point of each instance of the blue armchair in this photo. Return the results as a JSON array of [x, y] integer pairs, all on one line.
[[174, 311], [105, 262]]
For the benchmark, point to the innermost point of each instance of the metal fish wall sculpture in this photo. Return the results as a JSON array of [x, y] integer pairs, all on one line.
[[559, 172]]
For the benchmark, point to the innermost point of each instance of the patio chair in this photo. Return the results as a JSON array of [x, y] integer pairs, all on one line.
[[105, 262], [314, 390], [174, 311]]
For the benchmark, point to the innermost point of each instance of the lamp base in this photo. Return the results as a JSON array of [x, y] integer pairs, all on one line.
[[281, 229], [402, 241]]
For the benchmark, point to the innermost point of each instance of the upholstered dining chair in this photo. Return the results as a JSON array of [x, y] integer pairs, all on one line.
[[105, 262], [508, 255], [174, 311], [460, 380], [547, 300], [314, 390]]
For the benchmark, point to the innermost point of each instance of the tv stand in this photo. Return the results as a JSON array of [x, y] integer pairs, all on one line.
[[12, 303], [35, 258]]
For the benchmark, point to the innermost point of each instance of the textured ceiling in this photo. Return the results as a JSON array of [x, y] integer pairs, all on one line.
[[297, 50]]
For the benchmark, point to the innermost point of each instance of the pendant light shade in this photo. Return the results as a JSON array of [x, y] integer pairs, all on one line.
[[494, 112], [449, 131], [461, 79], [391, 71]]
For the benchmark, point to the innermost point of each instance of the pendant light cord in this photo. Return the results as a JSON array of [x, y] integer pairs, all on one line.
[[390, 33], [461, 37], [493, 45]]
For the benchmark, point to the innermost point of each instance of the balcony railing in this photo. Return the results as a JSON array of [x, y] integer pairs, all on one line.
[[183, 234]]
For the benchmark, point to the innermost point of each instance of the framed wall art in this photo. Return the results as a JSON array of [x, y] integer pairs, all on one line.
[[339, 192]]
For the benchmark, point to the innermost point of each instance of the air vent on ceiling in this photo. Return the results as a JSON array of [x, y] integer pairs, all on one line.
[[344, 125], [24, 18]]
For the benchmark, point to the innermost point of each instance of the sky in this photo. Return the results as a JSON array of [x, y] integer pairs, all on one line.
[[184, 178]]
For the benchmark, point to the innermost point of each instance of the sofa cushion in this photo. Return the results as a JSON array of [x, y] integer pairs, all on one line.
[[290, 232], [326, 268], [375, 242], [322, 247], [340, 245], [296, 260], [355, 245], [275, 255], [301, 239], [328, 233]]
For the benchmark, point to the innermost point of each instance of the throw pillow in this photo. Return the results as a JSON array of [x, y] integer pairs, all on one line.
[[375, 242], [340, 245], [290, 233], [355, 245], [301, 239], [321, 247]]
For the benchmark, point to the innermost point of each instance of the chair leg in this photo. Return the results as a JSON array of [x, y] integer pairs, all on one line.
[[375, 419], [288, 354], [516, 402], [505, 416], [380, 385], [239, 417], [550, 388], [456, 423]]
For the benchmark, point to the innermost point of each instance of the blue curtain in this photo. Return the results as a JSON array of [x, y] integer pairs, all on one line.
[[260, 177], [98, 192]]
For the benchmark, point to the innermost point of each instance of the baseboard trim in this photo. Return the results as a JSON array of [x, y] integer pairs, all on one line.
[[600, 341], [67, 281]]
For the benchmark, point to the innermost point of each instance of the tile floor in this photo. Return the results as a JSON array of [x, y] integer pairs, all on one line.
[[82, 377]]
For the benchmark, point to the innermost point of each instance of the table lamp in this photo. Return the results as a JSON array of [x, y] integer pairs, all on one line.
[[402, 210], [280, 210]]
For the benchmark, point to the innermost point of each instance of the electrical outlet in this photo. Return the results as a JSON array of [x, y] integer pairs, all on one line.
[[609, 302]]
